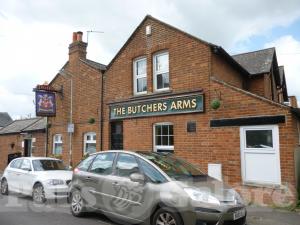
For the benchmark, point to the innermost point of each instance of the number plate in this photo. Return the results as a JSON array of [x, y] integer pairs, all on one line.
[[239, 214]]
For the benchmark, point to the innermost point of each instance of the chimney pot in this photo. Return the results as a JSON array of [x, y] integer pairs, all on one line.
[[79, 36], [74, 36]]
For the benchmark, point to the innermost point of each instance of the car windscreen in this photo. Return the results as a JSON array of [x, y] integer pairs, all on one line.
[[46, 165], [174, 167]]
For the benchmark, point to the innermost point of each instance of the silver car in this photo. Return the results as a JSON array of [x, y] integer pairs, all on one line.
[[153, 188]]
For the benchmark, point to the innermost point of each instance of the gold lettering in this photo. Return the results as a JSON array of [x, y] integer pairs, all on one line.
[[149, 108], [173, 105], [144, 108], [123, 111], [179, 104], [194, 103], [129, 110], [138, 109], [154, 107], [165, 106], [186, 104], [159, 105]]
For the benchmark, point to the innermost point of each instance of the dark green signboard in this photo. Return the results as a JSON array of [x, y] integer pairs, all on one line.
[[162, 106]]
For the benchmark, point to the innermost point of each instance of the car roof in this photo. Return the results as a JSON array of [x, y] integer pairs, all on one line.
[[37, 158]]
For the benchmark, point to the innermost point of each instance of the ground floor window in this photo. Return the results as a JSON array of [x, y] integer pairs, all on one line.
[[57, 144], [163, 137], [260, 154], [89, 143]]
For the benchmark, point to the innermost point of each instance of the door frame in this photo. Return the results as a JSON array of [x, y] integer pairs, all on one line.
[[275, 150]]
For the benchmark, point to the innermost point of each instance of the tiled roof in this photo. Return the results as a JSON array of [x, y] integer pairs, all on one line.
[[39, 125], [257, 62], [94, 64], [4, 119], [18, 126]]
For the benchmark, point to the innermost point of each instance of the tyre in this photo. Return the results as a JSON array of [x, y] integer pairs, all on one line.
[[4, 187], [165, 216], [38, 193], [77, 204]]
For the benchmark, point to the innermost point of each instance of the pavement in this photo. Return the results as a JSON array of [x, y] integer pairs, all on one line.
[[20, 210]]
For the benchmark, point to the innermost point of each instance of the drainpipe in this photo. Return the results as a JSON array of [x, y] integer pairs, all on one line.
[[101, 111], [71, 119], [47, 138]]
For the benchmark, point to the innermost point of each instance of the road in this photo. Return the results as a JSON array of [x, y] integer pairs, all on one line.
[[20, 210]]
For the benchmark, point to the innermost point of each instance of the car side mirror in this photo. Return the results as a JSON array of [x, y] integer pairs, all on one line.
[[137, 177]]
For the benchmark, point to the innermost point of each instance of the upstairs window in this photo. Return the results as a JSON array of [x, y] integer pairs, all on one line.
[[89, 143], [57, 144], [140, 76], [161, 71]]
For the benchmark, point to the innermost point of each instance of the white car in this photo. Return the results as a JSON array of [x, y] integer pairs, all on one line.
[[41, 178]]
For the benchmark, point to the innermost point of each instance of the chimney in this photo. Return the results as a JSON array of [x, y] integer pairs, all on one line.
[[293, 101], [77, 49]]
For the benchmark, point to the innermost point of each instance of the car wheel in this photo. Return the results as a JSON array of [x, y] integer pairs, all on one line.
[[165, 216], [38, 194], [77, 204], [4, 187]]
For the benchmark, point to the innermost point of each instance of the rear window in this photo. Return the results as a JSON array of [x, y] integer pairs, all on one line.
[[46, 164]]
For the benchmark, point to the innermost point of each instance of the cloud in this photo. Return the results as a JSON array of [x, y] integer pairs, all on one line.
[[288, 54], [35, 35]]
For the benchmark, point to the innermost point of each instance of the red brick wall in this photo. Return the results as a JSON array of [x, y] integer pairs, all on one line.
[[7, 140], [87, 84], [222, 70]]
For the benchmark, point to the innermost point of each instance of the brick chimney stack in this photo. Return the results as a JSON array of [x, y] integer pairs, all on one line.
[[77, 49], [293, 101]]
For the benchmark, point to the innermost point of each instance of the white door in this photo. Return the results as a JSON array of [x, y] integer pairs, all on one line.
[[260, 154]]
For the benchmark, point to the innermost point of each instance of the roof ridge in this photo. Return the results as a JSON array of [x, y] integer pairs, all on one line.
[[158, 21], [259, 50], [40, 118], [94, 61]]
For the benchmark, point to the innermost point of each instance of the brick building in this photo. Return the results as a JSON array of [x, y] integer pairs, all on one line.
[[25, 137], [78, 102], [167, 90]]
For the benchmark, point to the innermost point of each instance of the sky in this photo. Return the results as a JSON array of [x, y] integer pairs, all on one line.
[[35, 34]]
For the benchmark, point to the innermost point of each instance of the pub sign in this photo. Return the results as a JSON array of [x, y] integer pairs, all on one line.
[[156, 107], [45, 103]]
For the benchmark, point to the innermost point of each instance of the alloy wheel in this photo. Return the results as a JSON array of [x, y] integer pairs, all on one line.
[[165, 218], [38, 194], [76, 203]]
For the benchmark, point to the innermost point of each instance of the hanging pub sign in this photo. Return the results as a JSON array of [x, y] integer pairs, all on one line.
[[163, 106], [45, 103]]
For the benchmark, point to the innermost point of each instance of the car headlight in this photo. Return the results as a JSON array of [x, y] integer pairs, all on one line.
[[201, 196], [55, 182], [238, 198]]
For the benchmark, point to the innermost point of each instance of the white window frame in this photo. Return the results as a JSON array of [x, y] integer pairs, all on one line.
[[155, 72], [85, 141], [136, 77], [60, 141], [272, 150], [162, 147]]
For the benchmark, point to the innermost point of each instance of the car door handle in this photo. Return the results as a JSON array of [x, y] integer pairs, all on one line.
[[88, 179], [116, 184]]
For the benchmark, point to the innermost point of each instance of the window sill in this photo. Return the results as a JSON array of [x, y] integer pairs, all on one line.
[[157, 93], [264, 185]]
